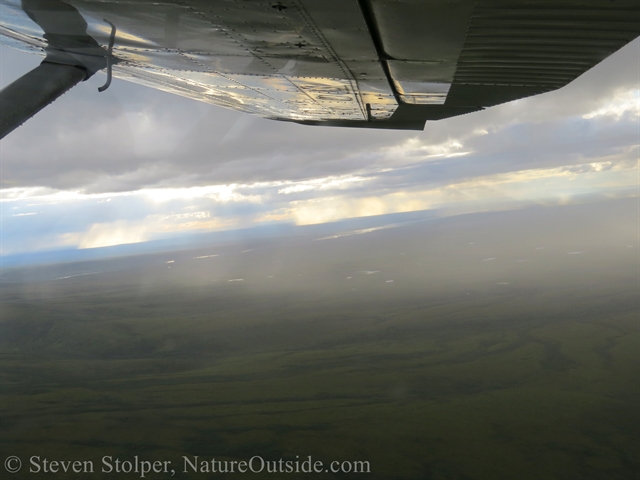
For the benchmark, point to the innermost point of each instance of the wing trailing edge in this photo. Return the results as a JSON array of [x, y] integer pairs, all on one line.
[[362, 63]]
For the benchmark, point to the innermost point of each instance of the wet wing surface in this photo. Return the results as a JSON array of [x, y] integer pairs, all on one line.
[[369, 63]]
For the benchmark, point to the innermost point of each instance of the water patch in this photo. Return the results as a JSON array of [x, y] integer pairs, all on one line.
[[76, 275], [360, 232]]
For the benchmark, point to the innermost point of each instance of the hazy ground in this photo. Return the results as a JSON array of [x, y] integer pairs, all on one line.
[[487, 346]]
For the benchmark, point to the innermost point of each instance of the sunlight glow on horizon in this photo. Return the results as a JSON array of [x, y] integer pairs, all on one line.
[[536, 186], [332, 200]]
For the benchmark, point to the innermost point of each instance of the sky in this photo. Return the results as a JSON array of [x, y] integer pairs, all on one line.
[[134, 164]]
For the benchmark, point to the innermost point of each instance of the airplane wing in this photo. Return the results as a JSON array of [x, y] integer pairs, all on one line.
[[362, 63]]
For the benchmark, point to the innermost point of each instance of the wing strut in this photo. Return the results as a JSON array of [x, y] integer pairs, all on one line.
[[71, 57], [25, 97]]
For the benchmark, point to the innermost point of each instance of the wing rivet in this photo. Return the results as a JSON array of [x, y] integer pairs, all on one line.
[[279, 7]]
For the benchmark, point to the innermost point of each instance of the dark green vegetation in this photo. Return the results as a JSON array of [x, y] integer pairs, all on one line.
[[525, 366]]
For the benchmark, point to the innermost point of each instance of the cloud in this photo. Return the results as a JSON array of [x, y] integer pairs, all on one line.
[[89, 220], [623, 102], [135, 164]]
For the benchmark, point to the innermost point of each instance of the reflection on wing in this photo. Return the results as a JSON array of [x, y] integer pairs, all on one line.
[[371, 63]]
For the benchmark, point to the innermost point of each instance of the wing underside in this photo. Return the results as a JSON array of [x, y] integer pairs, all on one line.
[[367, 63]]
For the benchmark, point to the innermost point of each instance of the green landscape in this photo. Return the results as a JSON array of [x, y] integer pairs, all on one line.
[[487, 346]]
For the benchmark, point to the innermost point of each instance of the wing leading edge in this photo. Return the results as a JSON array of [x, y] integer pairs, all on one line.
[[359, 63]]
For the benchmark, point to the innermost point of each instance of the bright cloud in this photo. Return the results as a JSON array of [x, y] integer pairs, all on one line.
[[477, 194], [624, 102], [416, 149], [328, 183]]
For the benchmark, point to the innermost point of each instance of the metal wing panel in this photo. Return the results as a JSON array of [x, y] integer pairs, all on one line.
[[17, 30], [512, 52], [241, 54], [261, 51], [368, 63], [342, 25]]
